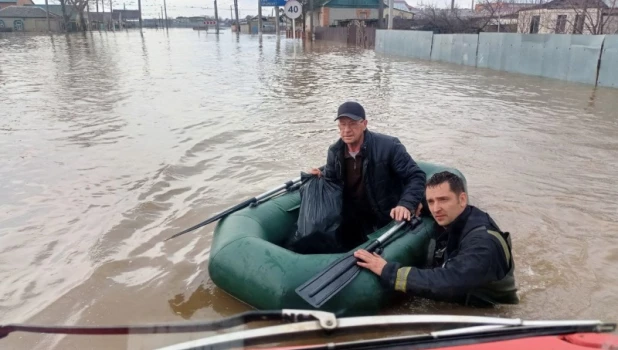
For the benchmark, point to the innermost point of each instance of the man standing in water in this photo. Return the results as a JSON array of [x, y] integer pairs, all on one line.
[[380, 180], [472, 262]]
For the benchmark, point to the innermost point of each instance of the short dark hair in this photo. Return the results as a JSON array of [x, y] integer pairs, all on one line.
[[455, 182]]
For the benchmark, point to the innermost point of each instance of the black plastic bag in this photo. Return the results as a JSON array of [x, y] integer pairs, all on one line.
[[319, 218]]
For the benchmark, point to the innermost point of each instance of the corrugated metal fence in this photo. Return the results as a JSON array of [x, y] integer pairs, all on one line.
[[586, 59], [353, 35], [608, 74]]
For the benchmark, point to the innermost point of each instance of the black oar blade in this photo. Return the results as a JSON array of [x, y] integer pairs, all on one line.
[[330, 281]]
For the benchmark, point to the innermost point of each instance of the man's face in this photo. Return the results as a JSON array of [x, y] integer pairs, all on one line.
[[444, 204], [351, 130]]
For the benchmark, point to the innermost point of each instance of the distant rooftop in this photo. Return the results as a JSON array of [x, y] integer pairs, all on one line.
[[23, 12], [571, 4], [352, 3]]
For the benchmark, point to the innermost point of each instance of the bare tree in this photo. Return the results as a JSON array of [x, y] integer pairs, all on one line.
[[454, 20], [65, 17], [529, 21], [572, 17], [80, 6], [593, 16]]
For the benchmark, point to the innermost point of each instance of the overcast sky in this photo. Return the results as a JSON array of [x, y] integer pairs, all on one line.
[[175, 8]]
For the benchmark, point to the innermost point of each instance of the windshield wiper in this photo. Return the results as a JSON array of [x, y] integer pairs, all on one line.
[[327, 320], [483, 325], [309, 321], [462, 336]]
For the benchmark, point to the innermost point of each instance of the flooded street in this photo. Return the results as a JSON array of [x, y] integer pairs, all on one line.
[[112, 142]]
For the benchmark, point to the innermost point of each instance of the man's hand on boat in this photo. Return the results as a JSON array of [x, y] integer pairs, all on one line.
[[315, 171], [370, 261], [402, 213]]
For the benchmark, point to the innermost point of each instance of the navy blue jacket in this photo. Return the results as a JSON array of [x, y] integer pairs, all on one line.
[[475, 268], [390, 175]]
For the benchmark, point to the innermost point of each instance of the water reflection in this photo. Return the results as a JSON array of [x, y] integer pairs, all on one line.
[[199, 299]]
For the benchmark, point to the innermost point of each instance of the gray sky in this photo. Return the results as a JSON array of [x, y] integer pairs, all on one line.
[[175, 8]]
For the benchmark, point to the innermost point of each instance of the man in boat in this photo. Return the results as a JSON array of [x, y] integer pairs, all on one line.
[[380, 179], [471, 262]]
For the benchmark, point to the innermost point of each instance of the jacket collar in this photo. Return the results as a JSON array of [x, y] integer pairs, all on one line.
[[456, 227]]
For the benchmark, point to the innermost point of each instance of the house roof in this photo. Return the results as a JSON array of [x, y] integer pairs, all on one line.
[[99, 16], [352, 3], [23, 12], [57, 10], [126, 14], [569, 4]]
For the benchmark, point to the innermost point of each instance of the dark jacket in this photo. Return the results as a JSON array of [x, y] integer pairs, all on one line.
[[472, 265], [390, 175]]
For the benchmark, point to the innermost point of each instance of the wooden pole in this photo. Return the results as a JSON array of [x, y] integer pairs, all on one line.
[[311, 18], [390, 14], [259, 17], [237, 21], [47, 16], [139, 7], [111, 14], [165, 7], [216, 18], [277, 19], [103, 10], [381, 14]]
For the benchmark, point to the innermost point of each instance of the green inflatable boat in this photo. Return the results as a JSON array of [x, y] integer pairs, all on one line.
[[248, 262]]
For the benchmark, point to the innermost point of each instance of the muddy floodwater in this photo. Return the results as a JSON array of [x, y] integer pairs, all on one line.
[[111, 142]]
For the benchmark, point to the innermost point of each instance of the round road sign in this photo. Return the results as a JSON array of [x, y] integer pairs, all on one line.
[[293, 9]]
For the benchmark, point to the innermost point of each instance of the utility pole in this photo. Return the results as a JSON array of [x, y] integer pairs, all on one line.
[[277, 19], [88, 13], [47, 16], [216, 18], [111, 13], [311, 19], [381, 14], [231, 13], [390, 14], [103, 10], [162, 17], [260, 17], [237, 21], [97, 1], [139, 8], [165, 7]]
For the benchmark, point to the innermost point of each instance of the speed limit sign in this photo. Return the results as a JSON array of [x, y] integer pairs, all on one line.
[[293, 9]]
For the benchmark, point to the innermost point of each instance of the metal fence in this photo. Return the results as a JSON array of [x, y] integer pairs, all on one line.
[[455, 48], [589, 59], [608, 73], [353, 34], [565, 57], [416, 44]]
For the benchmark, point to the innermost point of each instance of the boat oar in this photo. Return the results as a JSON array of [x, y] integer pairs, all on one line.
[[328, 282], [242, 205]]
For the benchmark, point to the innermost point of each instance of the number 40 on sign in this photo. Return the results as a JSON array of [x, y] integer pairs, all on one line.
[[293, 9]]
